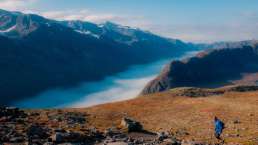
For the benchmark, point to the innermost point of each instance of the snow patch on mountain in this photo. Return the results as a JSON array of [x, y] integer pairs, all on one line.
[[8, 29], [88, 33]]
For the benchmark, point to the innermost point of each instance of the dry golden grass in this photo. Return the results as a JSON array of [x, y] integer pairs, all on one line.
[[168, 112]]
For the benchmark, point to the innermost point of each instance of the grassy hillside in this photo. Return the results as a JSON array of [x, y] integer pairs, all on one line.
[[184, 113], [171, 111]]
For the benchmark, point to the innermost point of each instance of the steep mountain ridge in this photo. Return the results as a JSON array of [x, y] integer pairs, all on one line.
[[227, 44], [211, 68], [142, 41], [39, 54], [16, 24]]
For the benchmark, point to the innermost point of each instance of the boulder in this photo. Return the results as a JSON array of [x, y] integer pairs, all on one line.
[[36, 131], [162, 135], [62, 137], [131, 125]]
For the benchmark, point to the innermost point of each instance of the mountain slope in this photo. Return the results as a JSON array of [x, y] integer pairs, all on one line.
[[38, 54], [189, 117], [183, 117], [210, 68], [221, 45], [141, 41]]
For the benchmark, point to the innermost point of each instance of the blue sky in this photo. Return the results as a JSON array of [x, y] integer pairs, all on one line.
[[189, 20]]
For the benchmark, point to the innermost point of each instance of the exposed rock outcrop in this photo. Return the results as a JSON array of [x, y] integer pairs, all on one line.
[[131, 125]]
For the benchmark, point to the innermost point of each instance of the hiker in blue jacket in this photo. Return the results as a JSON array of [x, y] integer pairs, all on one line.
[[219, 126]]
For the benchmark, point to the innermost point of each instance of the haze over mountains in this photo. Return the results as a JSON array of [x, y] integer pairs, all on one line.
[[38, 54], [128, 72], [47, 63]]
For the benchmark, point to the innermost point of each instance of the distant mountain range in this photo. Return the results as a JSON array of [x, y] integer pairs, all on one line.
[[37, 53], [222, 45], [211, 68]]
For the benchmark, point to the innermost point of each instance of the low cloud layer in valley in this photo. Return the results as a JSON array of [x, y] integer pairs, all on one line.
[[123, 86]]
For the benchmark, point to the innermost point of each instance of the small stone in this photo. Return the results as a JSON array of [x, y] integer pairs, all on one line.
[[108, 132], [129, 139], [182, 132], [243, 128], [171, 141], [118, 143], [16, 139], [59, 130], [162, 136], [236, 121], [184, 142], [48, 143]]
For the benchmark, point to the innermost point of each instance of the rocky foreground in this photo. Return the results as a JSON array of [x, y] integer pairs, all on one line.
[[65, 127], [179, 116]]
